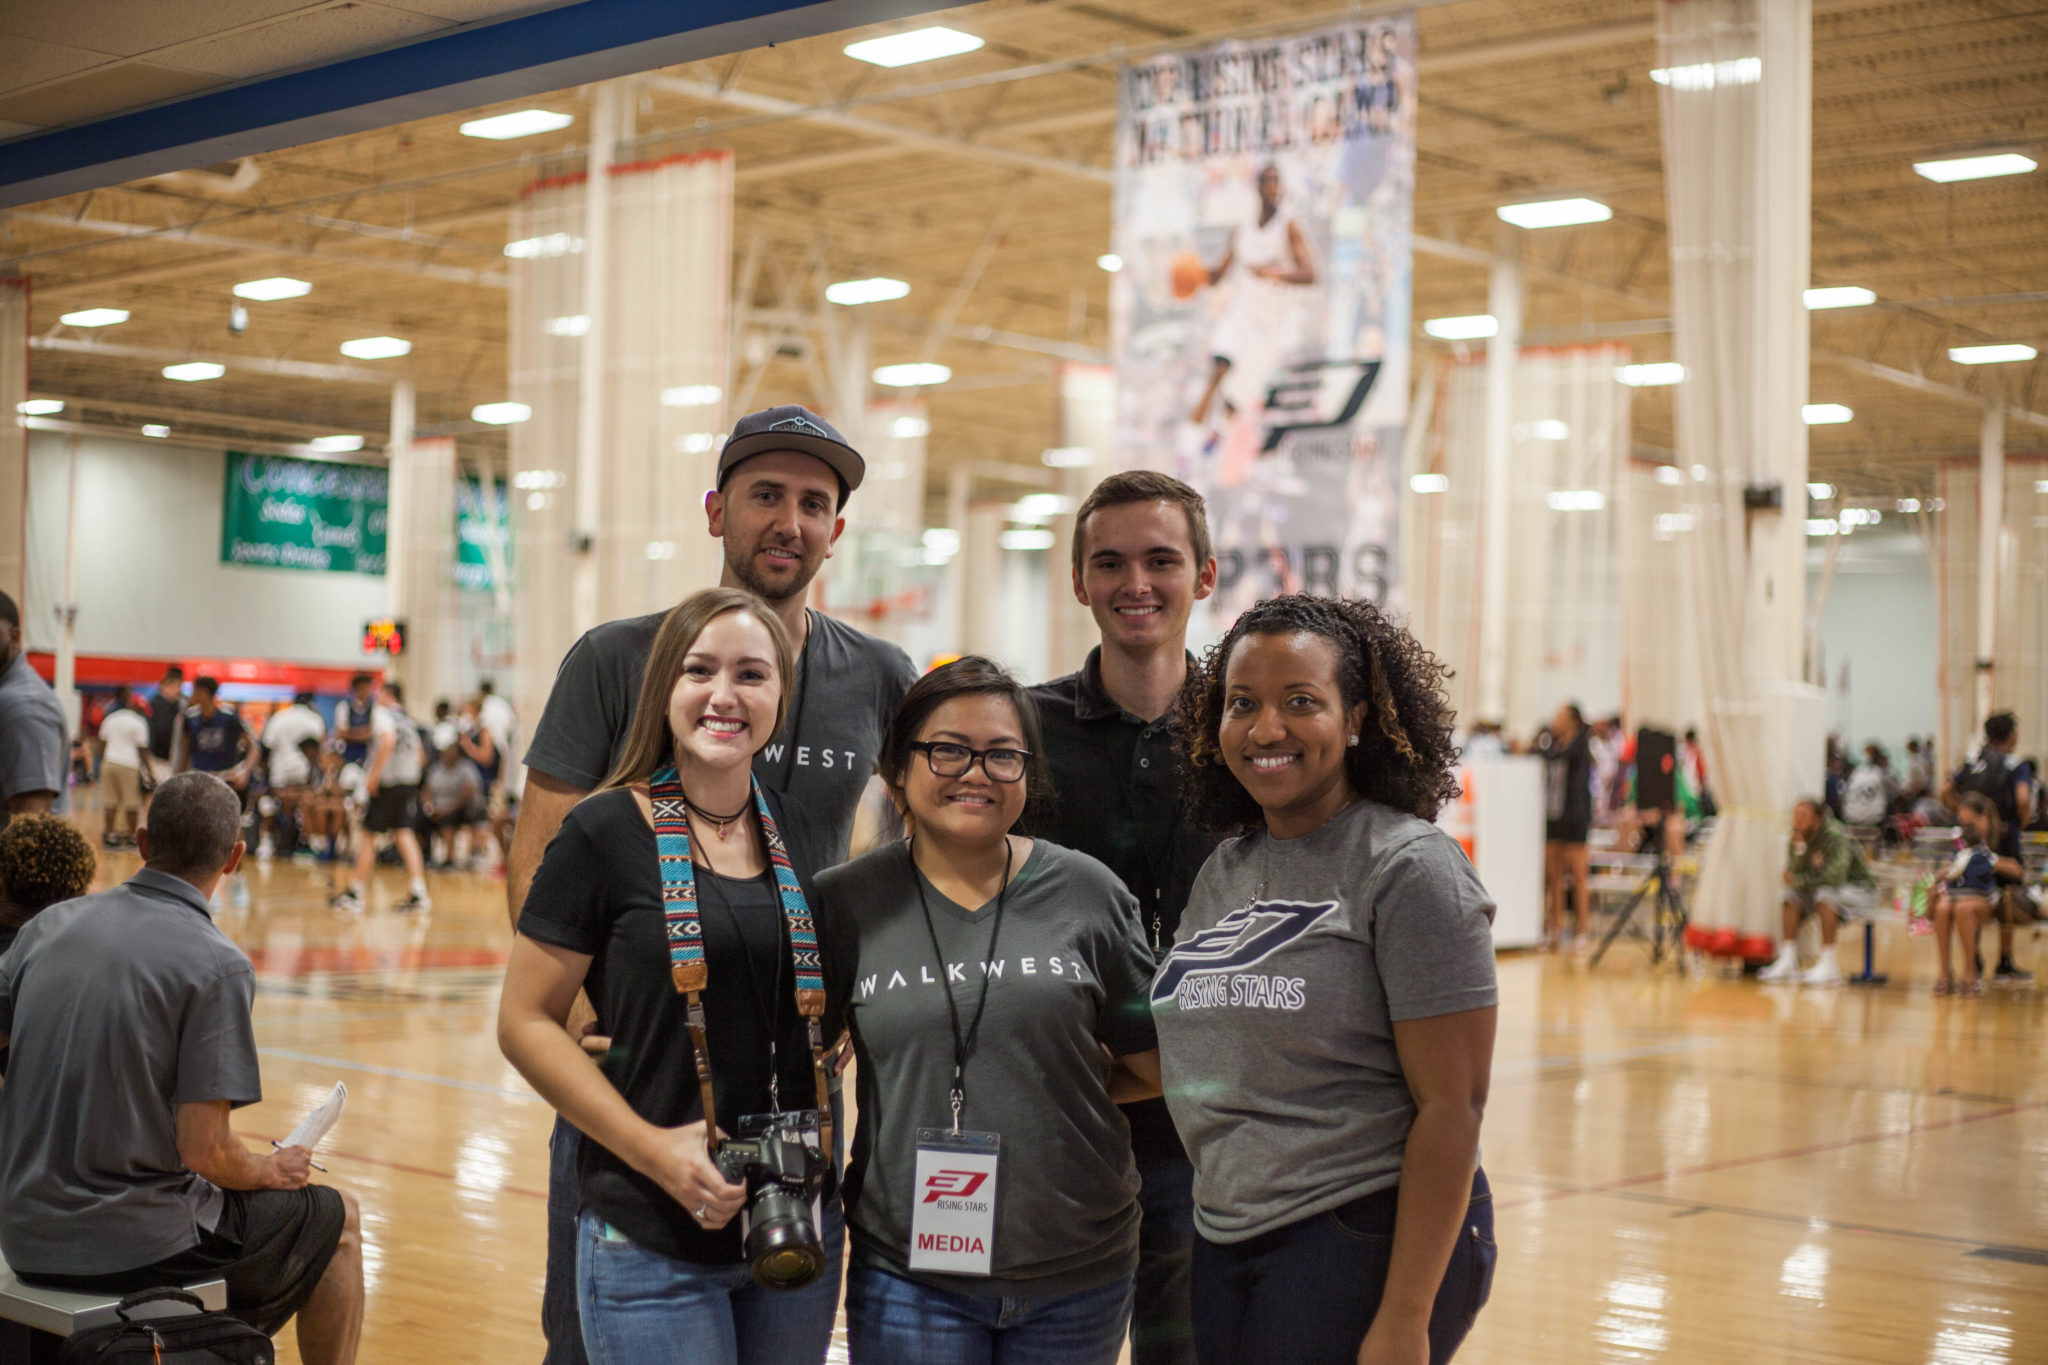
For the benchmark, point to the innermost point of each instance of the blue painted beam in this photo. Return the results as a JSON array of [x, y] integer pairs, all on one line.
[[592, 41]]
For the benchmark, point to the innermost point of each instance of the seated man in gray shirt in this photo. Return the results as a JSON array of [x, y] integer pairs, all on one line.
[[128, 1015]]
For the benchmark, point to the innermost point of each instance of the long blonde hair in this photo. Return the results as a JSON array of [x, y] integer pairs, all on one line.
[[649, 745]]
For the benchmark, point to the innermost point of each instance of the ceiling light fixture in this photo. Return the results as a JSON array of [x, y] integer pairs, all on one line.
[[334, 445], [1430, 483], [500, 414], [376, 348], [1839, 296], [40, 407], [156, 429], [879, 289], [1026, 540], [271, 290], [1820, 492], [1110, 261], [94, 317], [1067, 457], [1575, 499], [1651, 376], [690, 396], [918, 45], [1708, 75], [573, 326], [1670, 475], [534, 248], [1472, 327], [1974, 167], [1990, 355], [1824, 414], [1547, 213], [520, 123], [919, 374], [193, 371], [909, 428]]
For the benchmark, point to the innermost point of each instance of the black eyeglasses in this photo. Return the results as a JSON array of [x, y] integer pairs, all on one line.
[[953, 760]]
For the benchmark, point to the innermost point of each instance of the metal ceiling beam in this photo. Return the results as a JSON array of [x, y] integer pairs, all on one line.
[[451, 274], [290, 369]]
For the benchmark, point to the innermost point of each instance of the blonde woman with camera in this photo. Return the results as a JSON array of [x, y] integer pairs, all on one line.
[[678, 896]]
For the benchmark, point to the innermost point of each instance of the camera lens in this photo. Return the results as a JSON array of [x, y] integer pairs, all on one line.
[[783, 1250]]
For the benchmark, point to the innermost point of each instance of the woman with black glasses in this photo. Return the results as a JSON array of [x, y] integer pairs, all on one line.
[[988, 981]]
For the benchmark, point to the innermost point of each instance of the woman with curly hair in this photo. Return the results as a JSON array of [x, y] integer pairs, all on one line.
[[43, 860], [1326, 1016]]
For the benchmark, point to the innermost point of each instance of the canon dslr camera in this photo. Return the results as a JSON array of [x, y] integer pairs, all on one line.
[[779, 1158]]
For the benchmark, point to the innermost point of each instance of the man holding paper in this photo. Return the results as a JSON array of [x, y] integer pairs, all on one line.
[[129, 1017]]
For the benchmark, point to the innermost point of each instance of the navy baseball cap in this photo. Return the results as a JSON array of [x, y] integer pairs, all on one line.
[[793, 427]]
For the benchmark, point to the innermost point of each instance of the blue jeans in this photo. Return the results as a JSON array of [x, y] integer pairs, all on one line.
[[1306, 1293], [640, 1306], [891, 1320], [560, 1322], [1162, 1326]]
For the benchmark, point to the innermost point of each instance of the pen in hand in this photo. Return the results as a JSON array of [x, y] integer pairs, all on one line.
[[279, 1146]]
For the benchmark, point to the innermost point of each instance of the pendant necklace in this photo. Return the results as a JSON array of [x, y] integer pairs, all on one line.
[[720, 824]]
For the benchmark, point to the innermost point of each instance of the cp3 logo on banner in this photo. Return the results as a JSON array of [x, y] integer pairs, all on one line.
[[952, 1185]]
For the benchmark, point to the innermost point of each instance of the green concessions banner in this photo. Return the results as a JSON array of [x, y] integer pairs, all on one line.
[[281, 513], [483, 534]]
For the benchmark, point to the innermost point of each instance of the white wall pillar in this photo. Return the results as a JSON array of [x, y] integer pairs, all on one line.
[[66, 681], [592, 392], [955, 636], [1990, 542], [398, 515], [1504, 301]]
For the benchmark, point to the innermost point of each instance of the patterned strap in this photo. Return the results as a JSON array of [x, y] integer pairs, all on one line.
[[686, 964]]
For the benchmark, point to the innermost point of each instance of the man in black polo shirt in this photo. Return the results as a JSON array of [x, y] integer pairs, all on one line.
[[1141, 562], [166, 710]]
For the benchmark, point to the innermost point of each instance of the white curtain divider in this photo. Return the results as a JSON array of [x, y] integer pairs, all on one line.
[[665, 315], [423, 479], [1737, 158], [2019, 676], [13, 441]]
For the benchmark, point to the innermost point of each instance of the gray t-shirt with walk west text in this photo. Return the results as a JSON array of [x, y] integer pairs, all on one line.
[[1294, 960], [119, 1007], [847, 688], [1067, 979]]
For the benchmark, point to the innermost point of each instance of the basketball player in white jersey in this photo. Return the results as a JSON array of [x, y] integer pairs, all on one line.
[[1270, 253]]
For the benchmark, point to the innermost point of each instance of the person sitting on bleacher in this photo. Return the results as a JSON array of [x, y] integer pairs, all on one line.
[[1970, 886], [1825, 875], [2009, 785], [128, 1015]]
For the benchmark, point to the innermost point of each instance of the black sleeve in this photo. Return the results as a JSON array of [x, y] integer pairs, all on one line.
[[569, 904], [573, 742]]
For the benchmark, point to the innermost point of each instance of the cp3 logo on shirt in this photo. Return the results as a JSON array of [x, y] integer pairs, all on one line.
[[1242, 938], [952, 1184]]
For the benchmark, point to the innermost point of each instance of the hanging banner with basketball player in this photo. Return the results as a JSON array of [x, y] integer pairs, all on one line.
[[1264, 219]]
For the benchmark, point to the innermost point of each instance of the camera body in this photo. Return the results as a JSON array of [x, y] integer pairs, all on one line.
[[781, 1161]]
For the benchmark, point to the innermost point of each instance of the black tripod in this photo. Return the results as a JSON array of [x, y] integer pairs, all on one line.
[[1668, 915]]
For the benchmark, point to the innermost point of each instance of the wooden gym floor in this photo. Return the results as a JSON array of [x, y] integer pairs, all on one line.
[[1688, 1170]]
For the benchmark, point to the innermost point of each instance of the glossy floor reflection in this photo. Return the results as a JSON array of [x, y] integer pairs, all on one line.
[[1689, 1170]]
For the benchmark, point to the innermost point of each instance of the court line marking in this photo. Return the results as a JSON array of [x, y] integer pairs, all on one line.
[[1762, 1158], [395, 1073]]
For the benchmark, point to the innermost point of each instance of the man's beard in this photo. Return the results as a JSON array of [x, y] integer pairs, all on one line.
[[753, 583]]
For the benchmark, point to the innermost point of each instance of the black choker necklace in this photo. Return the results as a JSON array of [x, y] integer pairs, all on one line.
[[721, 823]]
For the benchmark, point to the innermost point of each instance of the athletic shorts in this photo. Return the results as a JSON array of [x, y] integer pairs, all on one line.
[[393, 808], [122, 786], [1567, 831], [271, 1246]]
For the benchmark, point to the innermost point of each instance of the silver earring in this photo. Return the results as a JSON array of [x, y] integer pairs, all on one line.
[[1351, 743]]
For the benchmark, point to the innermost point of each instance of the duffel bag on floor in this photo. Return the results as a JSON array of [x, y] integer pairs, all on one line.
[[195, 1338]]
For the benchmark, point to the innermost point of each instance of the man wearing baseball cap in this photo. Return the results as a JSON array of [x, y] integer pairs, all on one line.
[[784, 475]]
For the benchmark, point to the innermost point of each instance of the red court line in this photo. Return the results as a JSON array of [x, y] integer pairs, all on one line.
[[406, 1167], [1761, 1158]]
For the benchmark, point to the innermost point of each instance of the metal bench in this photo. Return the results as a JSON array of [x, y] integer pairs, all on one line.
[[34, 1321]]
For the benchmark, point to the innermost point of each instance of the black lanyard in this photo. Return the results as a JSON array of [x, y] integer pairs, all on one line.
[[963, 1044], [764, 1006]]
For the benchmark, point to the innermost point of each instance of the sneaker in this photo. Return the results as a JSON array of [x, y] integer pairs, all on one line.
[[2010, 974], [345, 903], [1826, 972], [1783, 972], [1944, 985], [414, 905]]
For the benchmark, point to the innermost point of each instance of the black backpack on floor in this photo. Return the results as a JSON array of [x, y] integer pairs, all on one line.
[[196, 1338]]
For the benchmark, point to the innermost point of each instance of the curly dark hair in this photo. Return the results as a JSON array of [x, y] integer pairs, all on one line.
[[43, 860], [1404, 756]]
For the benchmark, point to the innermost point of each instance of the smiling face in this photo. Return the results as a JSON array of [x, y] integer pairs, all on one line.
[[722, 707], [778, 515], [1139, 576], [969, 809], [1285, 728]]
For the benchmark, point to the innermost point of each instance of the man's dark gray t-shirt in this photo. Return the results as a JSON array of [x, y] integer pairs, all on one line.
[[1068, 978], [1277, 1004], [848, 686], [119, 1007], [34, 756]]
